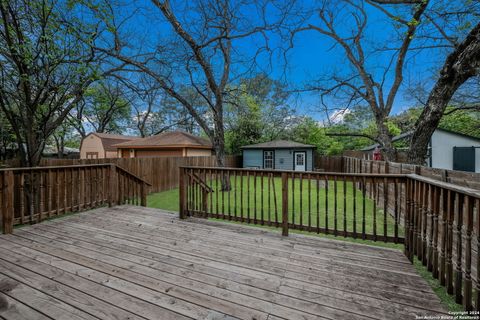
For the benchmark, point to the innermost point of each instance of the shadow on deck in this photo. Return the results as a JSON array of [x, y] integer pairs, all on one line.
[[139, 263]]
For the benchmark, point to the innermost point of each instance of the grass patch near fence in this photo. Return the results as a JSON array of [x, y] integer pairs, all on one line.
[[447, 300]]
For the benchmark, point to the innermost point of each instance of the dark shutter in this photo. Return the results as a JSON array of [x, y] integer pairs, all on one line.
[[464, 159]]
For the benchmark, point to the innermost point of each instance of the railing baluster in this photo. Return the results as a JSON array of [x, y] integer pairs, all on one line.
[[326, 204], [335, 206], [293, 199], [385, 207], [354, 206], [425, 216], [364, 206], [248, 196], [443, 239], [436, 208], [223, 193], [477, 230], [235, 196], [458, 220], [397, 210], [301, 200], [430, 228], [344, 206], [375, 195], [255, 197], [449, 246], [275, 201], [261, 200], [309, 177], [318, 203], [241, 196], [467, 284]]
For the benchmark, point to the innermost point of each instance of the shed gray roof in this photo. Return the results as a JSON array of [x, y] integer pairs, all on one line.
[[278, 144]]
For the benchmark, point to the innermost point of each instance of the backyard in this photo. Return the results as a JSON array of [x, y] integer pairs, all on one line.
[[259, 199]]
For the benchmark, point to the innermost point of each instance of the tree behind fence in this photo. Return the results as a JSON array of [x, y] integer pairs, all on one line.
[[160, 172]]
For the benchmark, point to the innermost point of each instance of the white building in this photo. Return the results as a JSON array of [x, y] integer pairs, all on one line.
[[449, 150]]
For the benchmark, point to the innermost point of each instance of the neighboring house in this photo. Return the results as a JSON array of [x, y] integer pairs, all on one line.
[[177, 143], [448, 150], [100, 145], [279, 155]]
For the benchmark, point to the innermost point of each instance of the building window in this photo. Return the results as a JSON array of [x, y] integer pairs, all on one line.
[[268, 159]]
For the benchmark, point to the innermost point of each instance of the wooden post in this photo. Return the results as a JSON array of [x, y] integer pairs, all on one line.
[[182, 192], [113, 186], [284, 204], [143, 194], [8, 211], [407, 218]]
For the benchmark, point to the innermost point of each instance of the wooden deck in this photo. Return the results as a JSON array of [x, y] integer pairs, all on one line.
[[138, 263]]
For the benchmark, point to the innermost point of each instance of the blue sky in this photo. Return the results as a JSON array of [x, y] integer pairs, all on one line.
[[313, 55]]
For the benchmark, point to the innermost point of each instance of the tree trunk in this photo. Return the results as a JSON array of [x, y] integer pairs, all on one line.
[[462, 64], [219, 147], [385, 140]]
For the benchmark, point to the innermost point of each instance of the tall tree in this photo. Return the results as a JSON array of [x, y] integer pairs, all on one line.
[[44, 70], [462, 64], [104, 108], [345, 23], [204, 55]]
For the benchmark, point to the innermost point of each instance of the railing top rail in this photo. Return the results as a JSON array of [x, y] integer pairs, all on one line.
[[342, 174], [57, 167], [445, 185], [77, 166], [133, 175]]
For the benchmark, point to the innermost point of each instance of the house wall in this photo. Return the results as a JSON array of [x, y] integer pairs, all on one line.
[[92, 143], [286, 156], [111, 154], [146, 153], [283, 158], [192, 152], [442, 144]]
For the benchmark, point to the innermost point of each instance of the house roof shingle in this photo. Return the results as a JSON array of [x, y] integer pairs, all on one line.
[[167, 139], [108, 139], [278, 144]]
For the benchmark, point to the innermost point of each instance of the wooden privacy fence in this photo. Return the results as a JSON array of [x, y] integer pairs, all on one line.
[[30, 195], [160, 172], [438, 222]]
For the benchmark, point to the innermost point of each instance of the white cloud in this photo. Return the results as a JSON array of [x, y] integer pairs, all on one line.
[[338, 115]]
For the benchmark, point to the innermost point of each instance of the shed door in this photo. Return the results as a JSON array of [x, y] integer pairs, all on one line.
[[464, 159], [300, 161]]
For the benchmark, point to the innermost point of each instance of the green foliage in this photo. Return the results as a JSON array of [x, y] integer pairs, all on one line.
[[256, 112], [106, 108], [462, 121]]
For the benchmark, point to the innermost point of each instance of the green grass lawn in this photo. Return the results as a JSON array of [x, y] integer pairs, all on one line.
[[345, 208]]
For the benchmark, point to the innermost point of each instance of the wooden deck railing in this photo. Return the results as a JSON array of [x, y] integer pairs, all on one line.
[[30, 195], [438, 222], [443, 231], [331, 203]]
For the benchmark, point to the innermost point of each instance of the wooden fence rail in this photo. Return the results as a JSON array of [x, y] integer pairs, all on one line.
[[30, 195], [438, 222]]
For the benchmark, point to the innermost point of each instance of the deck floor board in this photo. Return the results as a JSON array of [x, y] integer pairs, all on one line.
[[139, 263]]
